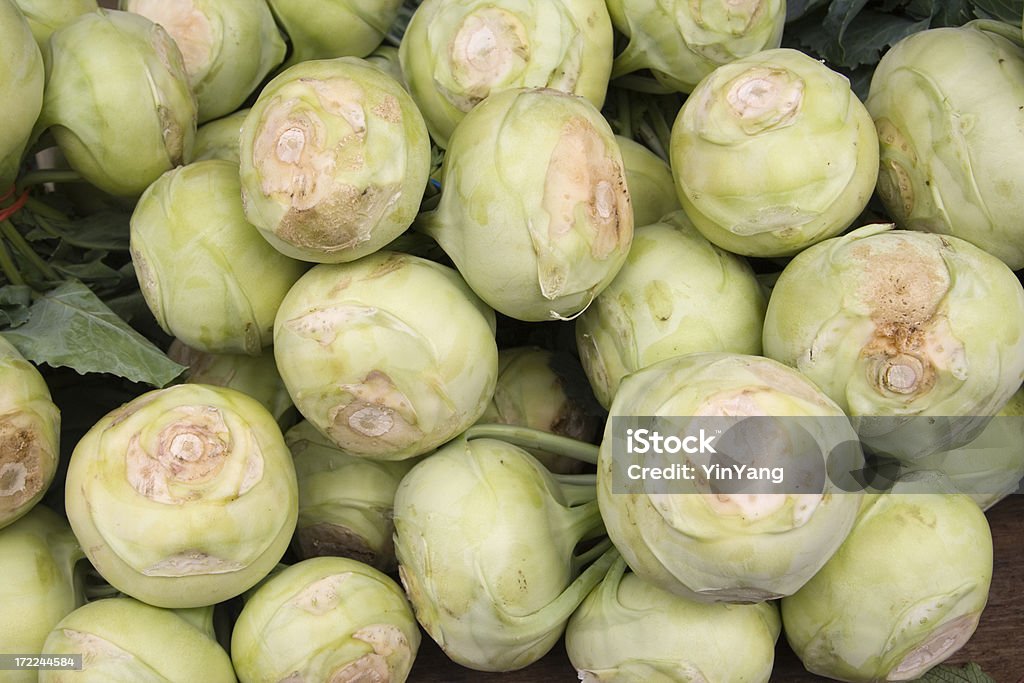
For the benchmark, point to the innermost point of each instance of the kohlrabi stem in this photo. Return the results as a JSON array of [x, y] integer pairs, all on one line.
[[41, 208], [534, 438], [662, 129], [625, 114], [7, 266], [28, 253], [577, 494], [584, 522], [592, 553], [48, 175]]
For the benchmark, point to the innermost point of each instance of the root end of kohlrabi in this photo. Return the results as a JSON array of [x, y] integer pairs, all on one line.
[[21, 464], [939, 646], [335, 540]]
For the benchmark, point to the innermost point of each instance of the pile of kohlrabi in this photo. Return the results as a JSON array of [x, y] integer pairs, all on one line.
[[633, 336]]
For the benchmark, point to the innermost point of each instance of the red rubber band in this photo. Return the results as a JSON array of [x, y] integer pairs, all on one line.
[[9, 193], [15, 207]]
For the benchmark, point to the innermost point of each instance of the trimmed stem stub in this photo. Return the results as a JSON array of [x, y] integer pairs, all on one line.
[[764, 98], [22, 458], [936, 648], [491, 47]]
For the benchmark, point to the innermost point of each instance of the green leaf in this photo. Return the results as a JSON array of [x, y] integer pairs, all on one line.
[[108, 230], [14, 303], [70, 326], [1009, 11], [795, 9], [866, 36], [969, 673]]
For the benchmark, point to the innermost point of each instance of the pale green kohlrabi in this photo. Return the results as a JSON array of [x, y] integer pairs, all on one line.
[[256, 376], [229, 46], [991, 466], [334, 160], [548, 391], [46, 16], [118, 101], [696, 536], [183, 497], [918, 337], [219, 139], [456, 53], [122, 639], [902, 594], [29, 435], [772, 153], [21, 89], [682, 41], [346, 502], [206, 274], [38, 561], [677, 294], [324, 29], [630, 631], [951, 161], [534, 207], [487, 540], [325, 619], [652, 191], [389, 356]]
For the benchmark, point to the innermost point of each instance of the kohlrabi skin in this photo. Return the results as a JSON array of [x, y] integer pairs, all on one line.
[[894, 324], [29, 435], [229, 46], [324, 29], [950, 164], [122, 640], [652, 191], [183, 497], [455, 53], [21, 89], [325, 619], [772, 153], [346, 502], [676, 294], [548, 391], [902, 594], [991, 466], [485, 538], [534, 207], [696, 540], [256, 376], [118, 100], [334, 160], [206, 274], [219, 139], [631, 631], [46, 16], [385, 57], [683, 41], [38, 554], [388, 356]]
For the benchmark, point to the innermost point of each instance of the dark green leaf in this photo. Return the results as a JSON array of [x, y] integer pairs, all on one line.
[[104, 230], [1009, 11], [70, 326], [94, 271], [969, 673], [795, 9], [866, 37], [840, 15], [14, 303]]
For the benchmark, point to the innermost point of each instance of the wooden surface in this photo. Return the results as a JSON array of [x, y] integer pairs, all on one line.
[[997, 646]]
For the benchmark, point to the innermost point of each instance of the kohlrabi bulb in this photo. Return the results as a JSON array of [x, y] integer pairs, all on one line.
[[21, 89], [118, 100], [228, 46], [389, 356], [682, 41], [334, 160], [325, 619], [695, 535], [183, 497], [206, 274], [456, 53], [534, 207], [918, 337], [677, 293], [772, 153]]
